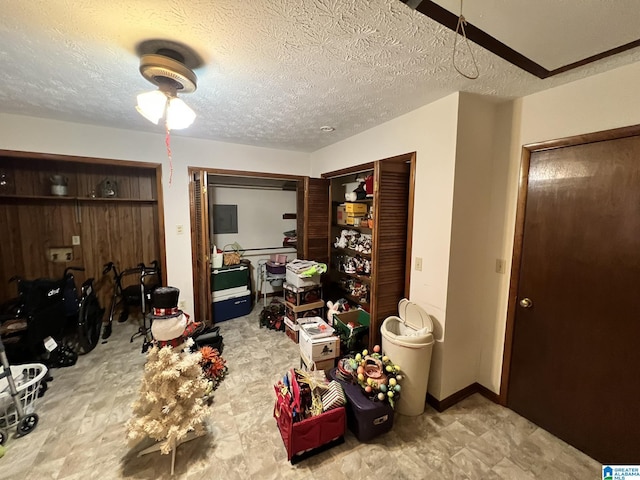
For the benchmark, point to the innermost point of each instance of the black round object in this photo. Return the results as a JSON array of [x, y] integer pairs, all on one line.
[[27, 424]]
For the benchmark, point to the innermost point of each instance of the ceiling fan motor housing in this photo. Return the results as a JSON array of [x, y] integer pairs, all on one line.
[[166, 72]]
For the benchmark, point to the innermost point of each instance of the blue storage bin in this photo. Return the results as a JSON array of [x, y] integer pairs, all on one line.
[[231, 306]]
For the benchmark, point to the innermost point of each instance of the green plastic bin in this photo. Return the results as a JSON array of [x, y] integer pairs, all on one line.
[[353, 327]]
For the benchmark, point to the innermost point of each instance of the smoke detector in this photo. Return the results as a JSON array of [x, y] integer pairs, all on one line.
[[166, 69]]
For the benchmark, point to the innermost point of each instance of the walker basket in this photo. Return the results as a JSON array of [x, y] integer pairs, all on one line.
[[27, 378]]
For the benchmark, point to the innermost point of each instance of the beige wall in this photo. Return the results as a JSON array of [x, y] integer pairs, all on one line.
[[468, 153], [471, 264], [39, 135], [602, 102], [431, 132]]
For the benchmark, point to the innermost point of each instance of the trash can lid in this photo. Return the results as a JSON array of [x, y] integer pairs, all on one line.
[[414, 316]]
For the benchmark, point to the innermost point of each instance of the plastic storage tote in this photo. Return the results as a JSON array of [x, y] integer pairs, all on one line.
[[365, 418], [408, 341]]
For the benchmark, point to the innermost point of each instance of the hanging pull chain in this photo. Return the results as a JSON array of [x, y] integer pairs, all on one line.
[[461, 31], [167, 141]]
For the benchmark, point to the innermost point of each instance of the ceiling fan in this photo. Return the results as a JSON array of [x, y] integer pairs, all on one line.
[[168, 65]]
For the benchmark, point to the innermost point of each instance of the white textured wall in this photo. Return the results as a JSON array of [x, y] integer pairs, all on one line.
[[49, 136], [260, 222], [431, 132]]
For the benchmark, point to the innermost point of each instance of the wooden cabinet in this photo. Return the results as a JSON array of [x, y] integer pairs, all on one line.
[[379, 276], [126, 228]]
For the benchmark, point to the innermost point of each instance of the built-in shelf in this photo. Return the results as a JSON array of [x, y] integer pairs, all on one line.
[[74, 199], [353, 253], [360, 278], [351, 227], [351, 298]]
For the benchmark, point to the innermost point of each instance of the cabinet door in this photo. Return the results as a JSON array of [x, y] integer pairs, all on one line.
[[392, 224], [313, 220], [200, 244]]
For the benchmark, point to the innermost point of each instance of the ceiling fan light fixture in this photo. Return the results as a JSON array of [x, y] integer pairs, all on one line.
[[151, 105], [166, 70], [179, 114]]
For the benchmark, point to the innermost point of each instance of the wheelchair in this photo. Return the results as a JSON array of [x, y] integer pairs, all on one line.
[[132, 288], [51, 308]]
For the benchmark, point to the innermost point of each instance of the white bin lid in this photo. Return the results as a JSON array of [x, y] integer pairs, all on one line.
[[414, 316], [412, 329]]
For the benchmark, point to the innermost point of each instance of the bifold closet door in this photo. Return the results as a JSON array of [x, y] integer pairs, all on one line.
[[313, 219], [200, 245]]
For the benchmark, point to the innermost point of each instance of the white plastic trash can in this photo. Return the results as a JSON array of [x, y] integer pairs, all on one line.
[[408, 341]]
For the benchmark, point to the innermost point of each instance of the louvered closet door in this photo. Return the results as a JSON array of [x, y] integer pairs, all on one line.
[[200, 245], [314, 223], [392, 224]]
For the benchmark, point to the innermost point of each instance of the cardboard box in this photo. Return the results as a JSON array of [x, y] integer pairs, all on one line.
[[315, 327], [356, 208], [294, 312], [355, 220], [302, 295], [341, 215], [296, 281], [325, 365], [319, 349], [291, 329]]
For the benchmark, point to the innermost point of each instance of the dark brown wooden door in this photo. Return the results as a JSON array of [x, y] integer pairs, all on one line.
[[575, 365], [200, 245], [313, 219]]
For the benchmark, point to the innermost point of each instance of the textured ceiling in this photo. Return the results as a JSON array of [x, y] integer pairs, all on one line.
[[274, 71]]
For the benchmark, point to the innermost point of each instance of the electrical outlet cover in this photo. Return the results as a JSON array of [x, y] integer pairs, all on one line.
[[60, 254]]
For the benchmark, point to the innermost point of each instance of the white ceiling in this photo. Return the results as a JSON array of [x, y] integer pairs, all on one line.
[[275, 71]]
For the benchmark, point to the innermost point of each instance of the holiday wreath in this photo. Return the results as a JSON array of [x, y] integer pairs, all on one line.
[[378, 376]]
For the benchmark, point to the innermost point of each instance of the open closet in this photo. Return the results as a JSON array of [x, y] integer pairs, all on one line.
[[257, 213], [389, 226]]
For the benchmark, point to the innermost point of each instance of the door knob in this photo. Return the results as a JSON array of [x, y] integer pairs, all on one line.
[[526, 303]]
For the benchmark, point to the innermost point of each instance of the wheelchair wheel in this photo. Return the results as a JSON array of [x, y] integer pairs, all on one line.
[[27, 424], [89, 324]]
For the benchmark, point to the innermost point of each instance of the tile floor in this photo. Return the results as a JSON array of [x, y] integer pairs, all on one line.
[[81, 433]]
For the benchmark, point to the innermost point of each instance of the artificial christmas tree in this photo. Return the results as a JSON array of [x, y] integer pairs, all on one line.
[[171, 407], [171, 402]]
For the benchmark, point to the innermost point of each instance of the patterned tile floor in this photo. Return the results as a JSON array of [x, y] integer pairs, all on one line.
[[81, 434]]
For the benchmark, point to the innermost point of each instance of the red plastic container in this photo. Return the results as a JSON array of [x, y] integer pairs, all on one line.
[[311, 433]]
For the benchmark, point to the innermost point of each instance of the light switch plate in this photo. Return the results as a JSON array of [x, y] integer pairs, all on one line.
[[75, 240], [419, 264]]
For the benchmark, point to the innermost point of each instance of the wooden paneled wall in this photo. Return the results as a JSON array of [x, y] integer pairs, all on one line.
[[125, 229]]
